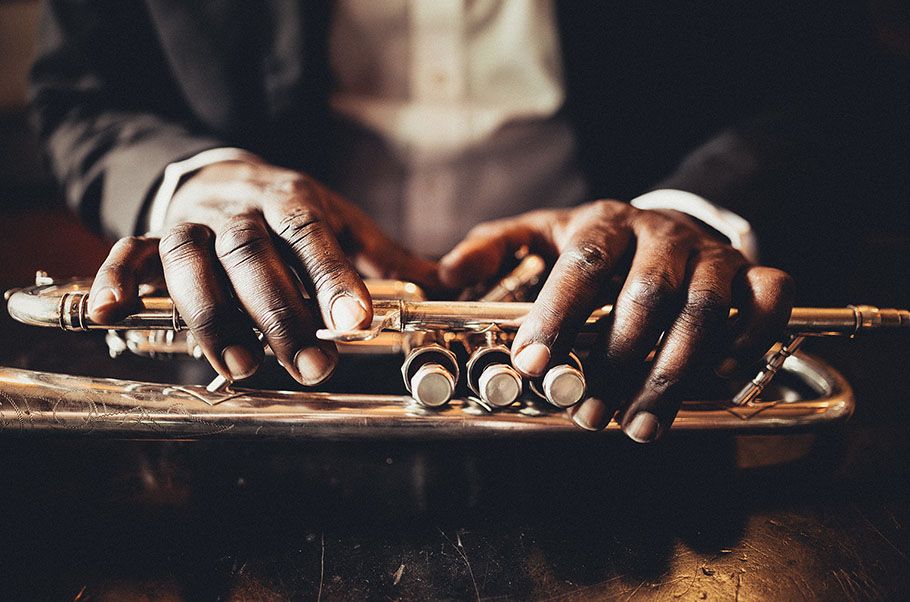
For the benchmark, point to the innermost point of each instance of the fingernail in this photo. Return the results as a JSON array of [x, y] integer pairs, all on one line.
[[533, 359], [314, 365], [643, 428], [347, 313], [727, 368], [102, 299], [591, 414], [239, 361]]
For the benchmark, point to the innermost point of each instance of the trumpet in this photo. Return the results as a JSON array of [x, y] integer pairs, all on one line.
[[444, 343]]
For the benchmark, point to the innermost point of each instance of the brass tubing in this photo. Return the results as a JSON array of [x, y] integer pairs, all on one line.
[[100, 407], [59, 305]]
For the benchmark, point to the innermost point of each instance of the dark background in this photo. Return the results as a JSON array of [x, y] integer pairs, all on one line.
[[698, 517]]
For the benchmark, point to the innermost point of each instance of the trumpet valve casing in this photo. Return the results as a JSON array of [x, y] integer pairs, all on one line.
[[430, 373]]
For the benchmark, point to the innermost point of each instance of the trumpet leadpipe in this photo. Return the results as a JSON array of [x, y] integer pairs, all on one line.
[[65, 305], [810, 321]]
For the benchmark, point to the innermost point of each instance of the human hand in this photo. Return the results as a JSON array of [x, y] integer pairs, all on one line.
[[239, 235], [680, 281]]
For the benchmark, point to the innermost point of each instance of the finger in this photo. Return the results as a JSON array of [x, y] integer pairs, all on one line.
[[764, 297], [197, 285], [643, 310], [596, 243], [383, 258], [342, 296], [115, 290], [692, 338], [377, 256], [481, 254], [269, 293]]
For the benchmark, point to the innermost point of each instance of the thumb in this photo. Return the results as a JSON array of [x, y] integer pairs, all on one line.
[[388, 259], [481, 255], [115, 290], [374, 254]]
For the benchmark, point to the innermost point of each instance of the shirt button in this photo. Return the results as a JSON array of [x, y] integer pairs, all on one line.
[[440, 78]]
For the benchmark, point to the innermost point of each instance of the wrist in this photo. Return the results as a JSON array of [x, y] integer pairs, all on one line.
[[695, 223], [178, 173], [732, 227]]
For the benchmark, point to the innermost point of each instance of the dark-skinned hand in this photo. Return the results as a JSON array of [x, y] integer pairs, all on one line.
[[679, 286], [242, 237]]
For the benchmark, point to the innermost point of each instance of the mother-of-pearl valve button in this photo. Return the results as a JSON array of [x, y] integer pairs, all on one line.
[[499, 385], [432, 385], [564, 386]]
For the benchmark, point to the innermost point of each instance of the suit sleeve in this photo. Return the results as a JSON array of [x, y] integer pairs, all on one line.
[[109, 118]]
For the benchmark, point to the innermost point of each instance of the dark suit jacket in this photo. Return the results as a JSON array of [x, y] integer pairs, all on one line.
[[719, 98]]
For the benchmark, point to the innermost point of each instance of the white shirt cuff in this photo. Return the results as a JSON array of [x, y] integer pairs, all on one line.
[[175, 172], [731, 225]]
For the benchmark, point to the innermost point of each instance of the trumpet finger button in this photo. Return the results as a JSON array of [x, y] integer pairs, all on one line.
[[432, 385], [499, 385], [564, 386]]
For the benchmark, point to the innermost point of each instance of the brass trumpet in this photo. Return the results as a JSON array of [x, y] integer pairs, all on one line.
[[434, 337]]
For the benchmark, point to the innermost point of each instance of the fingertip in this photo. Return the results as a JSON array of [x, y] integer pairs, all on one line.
[[591, 414], [348, 313], [314, 365], [106, 304], [240, 361], [470, 262], [643, 427], [452, 271], [532, 360]]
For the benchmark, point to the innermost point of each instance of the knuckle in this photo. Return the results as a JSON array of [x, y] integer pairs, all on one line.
[[328, 272], [662, 380], [299, 225], [129, 245], [242, 239], [609, 207], [589, 257], [783, 284], [720, 254], [206, 321], [280, 325], [704, 307], [181, 240], [651, 293], [674, 234], [486, 229], [282, 185], [299, 184], [675, 244]]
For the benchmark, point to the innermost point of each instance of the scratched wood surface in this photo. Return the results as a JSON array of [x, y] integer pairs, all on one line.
[[697, 518]]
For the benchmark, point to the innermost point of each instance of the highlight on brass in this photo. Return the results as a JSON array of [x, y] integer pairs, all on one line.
[[460, 349]]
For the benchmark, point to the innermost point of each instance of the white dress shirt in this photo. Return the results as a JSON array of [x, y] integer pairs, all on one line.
[[452, 106], [449, 115]]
